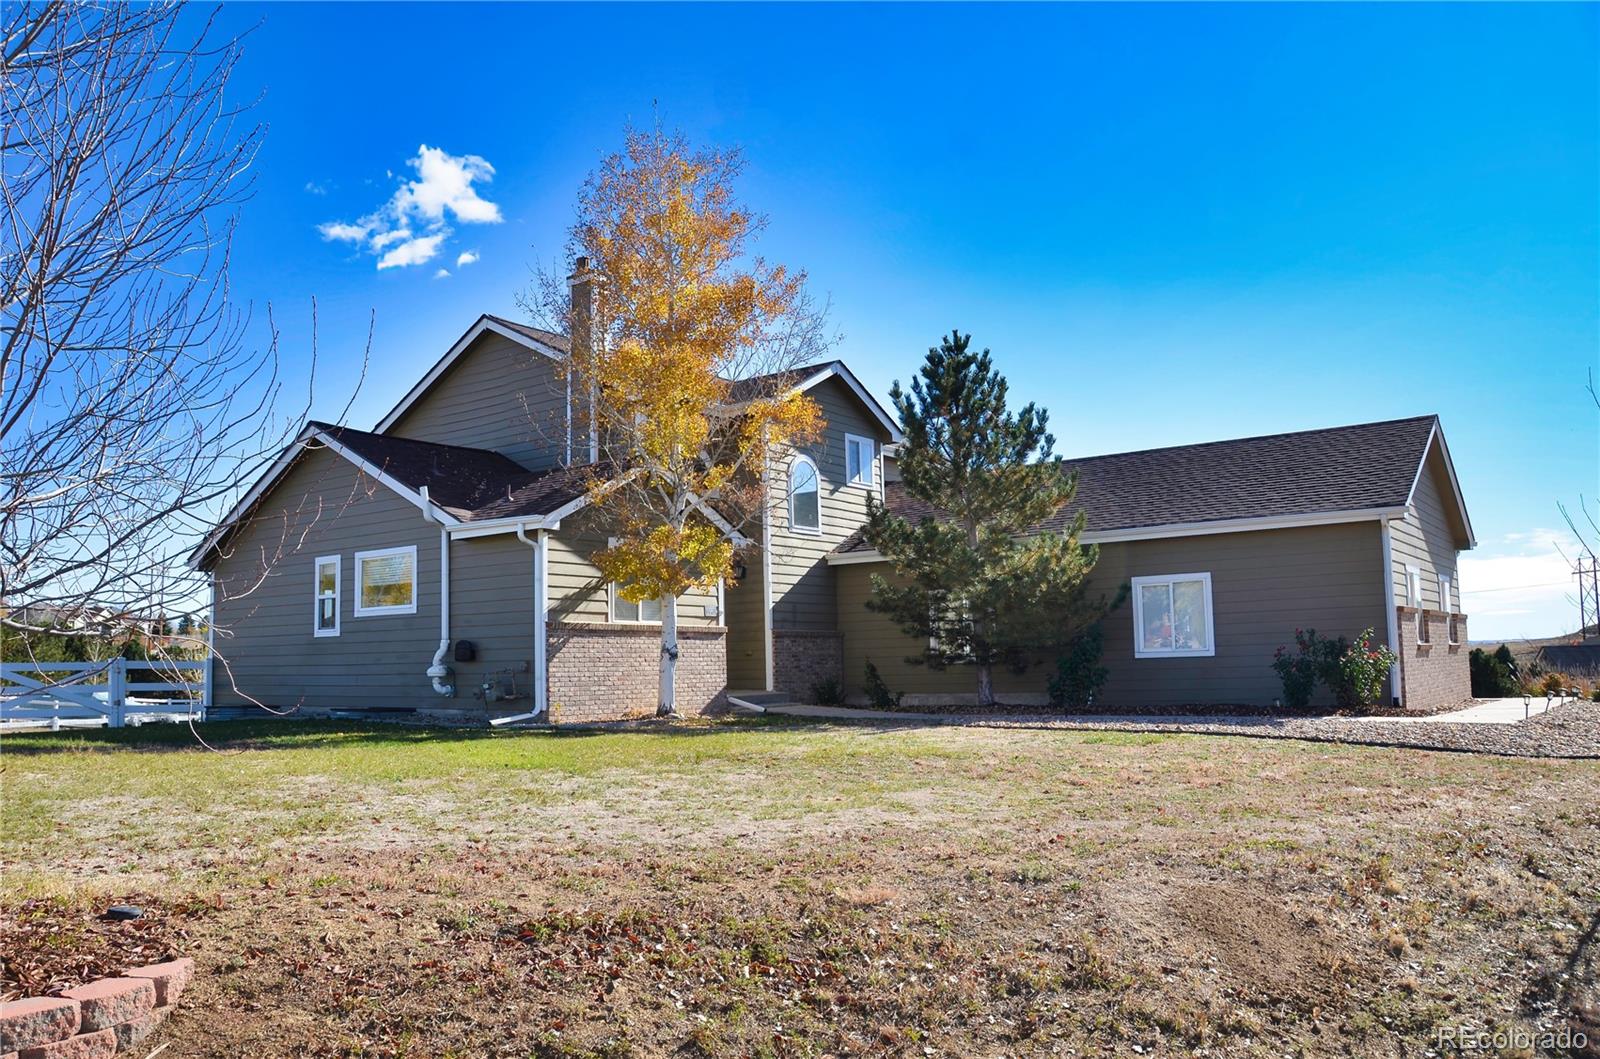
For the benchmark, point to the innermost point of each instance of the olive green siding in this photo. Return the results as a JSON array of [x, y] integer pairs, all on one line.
[[499, 395], [1264, 585], [802, 581], [265, 597], [1426, 538], [803, 584], [577, 592], [747, 642], [491, 607]]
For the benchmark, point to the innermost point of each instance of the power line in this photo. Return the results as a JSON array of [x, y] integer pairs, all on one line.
[[1512, 588]]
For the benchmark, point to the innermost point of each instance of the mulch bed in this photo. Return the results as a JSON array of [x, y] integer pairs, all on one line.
[[47, 946]]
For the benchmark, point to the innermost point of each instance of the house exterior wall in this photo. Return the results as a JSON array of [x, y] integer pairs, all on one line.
[[747, 642], [1265, 584], [610, 672], [1426, 539], [802, 659], [1435, 673], [802, 581], [578, 593], [499, 395], [265, 598], [491, 606], [804, 587]]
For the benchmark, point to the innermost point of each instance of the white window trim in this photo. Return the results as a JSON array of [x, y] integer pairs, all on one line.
[[611, 609], [1446, 583], [795, 527], [416, 582], [869, 465], [1139, 650], [316, 593], [1414, 599], [612, 597]]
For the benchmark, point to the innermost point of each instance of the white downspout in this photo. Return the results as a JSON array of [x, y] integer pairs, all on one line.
[[1390, 620], [438, 672], [209, 695], [541, 596], [766, 569]]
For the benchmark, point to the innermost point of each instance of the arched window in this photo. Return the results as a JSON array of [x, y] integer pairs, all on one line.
[[805, 512]]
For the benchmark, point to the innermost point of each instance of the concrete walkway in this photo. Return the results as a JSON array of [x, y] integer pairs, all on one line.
[[1495, 711]]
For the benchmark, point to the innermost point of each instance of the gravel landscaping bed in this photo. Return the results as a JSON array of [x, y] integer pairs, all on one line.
[[1571, 730]]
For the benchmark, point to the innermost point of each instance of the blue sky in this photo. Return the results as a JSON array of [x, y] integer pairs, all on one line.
[[1170, 224]]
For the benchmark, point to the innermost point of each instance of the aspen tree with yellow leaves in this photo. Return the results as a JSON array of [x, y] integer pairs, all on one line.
[[684, 343]]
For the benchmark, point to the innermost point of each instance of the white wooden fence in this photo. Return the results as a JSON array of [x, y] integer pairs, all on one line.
[[101, 692]]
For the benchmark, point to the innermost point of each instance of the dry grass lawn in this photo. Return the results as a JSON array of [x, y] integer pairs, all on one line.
[[767, 889]]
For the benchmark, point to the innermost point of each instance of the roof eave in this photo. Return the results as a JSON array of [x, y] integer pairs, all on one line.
[[1187, 529], [280, 467]]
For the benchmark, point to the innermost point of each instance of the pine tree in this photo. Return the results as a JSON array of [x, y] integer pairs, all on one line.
[[977, 585]]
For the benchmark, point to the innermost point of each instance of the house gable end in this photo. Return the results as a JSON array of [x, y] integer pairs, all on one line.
[[500, 387]]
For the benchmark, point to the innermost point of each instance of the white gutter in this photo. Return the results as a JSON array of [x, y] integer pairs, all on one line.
[[541, 596], [1391, 620], [438, 672]]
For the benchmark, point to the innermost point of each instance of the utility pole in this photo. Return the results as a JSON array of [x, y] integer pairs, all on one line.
[[1588, 574]]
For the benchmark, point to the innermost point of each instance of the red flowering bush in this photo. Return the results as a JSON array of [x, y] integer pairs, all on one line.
[[1298, 671], [1353, 671], [1362, 668]]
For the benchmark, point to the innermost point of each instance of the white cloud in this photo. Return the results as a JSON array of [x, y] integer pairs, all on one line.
[[383, 239], [1520, 586], [339, 232], [411, 228], [446, 184], [418, 251], [314, 188], [441, 274]]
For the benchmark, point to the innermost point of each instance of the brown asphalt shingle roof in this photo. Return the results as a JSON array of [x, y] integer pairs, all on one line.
[[470, 484], [773, 382], [1353, 468], [538, 334]]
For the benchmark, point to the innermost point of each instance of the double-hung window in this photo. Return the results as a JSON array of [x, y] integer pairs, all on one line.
[[647, 611], [860, 460], [325, 598], [1446, 604], [386, 582], [1414, 599], [1172, 616]]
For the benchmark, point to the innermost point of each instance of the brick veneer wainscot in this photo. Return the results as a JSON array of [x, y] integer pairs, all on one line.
[[801, 660], [1434, 673], [601, 672]]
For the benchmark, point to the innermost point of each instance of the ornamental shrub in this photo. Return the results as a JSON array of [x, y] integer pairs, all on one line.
[[1492, 677], [1079, 674], [878, 692], [1362, 669], [1353, 671], [827, 692], [1298, 671]]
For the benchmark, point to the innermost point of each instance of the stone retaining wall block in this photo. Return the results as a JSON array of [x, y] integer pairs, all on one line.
[[36, 1020]]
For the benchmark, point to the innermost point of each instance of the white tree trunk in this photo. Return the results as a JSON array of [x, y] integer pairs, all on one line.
[[985, 686], [667, 706]]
